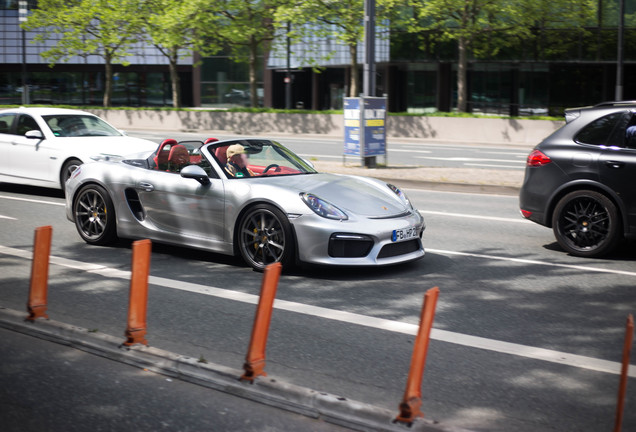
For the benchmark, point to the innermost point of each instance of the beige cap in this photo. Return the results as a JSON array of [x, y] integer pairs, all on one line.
[[235, 149]]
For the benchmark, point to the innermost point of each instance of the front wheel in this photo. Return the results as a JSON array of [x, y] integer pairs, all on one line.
[[586, 223], [94, 215], [264, 237], [67, 170]]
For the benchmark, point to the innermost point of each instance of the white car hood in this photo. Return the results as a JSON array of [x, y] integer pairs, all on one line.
[[108, 145]]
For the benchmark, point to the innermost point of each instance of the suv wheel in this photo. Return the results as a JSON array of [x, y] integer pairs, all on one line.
[[586, 223]]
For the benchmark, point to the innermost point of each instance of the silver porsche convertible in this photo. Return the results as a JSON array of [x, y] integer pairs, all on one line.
[[249, 197]]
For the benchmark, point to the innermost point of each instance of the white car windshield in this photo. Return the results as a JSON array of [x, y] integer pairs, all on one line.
[[65, 125]]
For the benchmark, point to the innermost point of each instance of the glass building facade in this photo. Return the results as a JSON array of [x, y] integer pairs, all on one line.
[[80, 80], [524, 78]]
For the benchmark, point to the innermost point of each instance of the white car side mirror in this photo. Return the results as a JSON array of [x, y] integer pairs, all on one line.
[[34, 134]]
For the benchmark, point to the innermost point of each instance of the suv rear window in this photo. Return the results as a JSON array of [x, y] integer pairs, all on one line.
[[601, 130]]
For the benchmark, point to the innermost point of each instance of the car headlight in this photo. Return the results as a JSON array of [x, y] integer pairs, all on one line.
[[322, 207], [396, 190]]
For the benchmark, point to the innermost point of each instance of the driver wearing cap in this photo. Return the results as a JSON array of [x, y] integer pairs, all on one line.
[[237, 162]]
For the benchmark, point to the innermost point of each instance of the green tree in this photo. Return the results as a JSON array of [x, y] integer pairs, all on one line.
[[340, 20], [483, 27], [244, 28], [104, 28], [177, 28]]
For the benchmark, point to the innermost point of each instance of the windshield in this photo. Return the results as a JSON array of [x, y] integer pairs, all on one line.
[[72, 125], [258, 158]]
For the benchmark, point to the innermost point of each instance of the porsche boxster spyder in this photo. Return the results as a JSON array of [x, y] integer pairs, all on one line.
[[249, 197]]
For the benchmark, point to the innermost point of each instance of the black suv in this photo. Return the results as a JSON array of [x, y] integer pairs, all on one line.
[[581, 180]]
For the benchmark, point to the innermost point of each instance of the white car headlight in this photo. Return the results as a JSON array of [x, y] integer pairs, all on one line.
[[322, 207]]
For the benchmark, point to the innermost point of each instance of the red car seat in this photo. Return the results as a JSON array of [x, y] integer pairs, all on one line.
[[221, 154], [161, 158], [178, 158]]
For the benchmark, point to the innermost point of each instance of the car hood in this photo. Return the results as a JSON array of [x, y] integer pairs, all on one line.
[[360, 195], [108, 145]]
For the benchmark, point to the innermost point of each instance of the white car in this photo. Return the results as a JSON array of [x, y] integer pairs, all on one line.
[[43, 146]]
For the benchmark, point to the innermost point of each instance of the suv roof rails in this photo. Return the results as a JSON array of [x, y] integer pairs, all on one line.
[[615, 103]]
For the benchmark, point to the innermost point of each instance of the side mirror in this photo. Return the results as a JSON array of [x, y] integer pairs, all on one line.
[[308, 162], [195, 172], [34, 134]]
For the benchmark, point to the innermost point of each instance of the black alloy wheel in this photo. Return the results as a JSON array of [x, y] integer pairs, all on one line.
[[94, 215], [264, 237], [586, 224]]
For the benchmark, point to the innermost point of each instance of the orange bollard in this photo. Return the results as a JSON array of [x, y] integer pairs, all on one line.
[[138, 304], [40, 273], [622, 389], [255, 360], [410, 406]]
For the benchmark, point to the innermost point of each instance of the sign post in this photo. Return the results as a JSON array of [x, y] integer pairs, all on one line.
[[365, 128]]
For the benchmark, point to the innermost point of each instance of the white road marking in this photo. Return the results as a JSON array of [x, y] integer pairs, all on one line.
[[519, 167], [468, 159], [535, 353], [534, 262], [32, 200], [7, 217], [491, 218]]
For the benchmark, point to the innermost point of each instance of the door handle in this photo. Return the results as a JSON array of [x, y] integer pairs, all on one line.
[[148, 187], [614, 164]]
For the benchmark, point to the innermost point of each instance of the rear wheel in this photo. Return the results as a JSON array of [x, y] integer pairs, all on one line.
[[586, 223], [265, 237], [94, 215]]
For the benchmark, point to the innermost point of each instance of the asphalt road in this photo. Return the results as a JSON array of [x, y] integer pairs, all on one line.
[[51, 387], [526, 338]]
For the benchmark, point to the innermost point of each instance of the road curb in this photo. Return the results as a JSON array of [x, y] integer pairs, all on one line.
[[267, 390]]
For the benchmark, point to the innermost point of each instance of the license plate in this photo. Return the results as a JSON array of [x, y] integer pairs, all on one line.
[[404, 234]]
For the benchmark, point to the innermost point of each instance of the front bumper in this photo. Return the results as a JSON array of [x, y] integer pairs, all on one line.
[[365, 242]]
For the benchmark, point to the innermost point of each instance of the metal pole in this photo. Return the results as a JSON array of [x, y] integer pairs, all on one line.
[[368, 86], [369, 48], [619, 62], [288, 78], [22, 17]]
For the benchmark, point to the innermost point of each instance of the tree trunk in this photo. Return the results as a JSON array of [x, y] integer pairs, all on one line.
[[108, 85], [174, 79], [353, 80], [462, 91]]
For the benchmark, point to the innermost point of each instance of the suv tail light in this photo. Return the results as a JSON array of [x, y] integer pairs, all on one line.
[[537, 158]]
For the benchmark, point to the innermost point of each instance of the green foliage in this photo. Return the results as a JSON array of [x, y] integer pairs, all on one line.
[[243, 28], [105, 28], [330, 20]]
